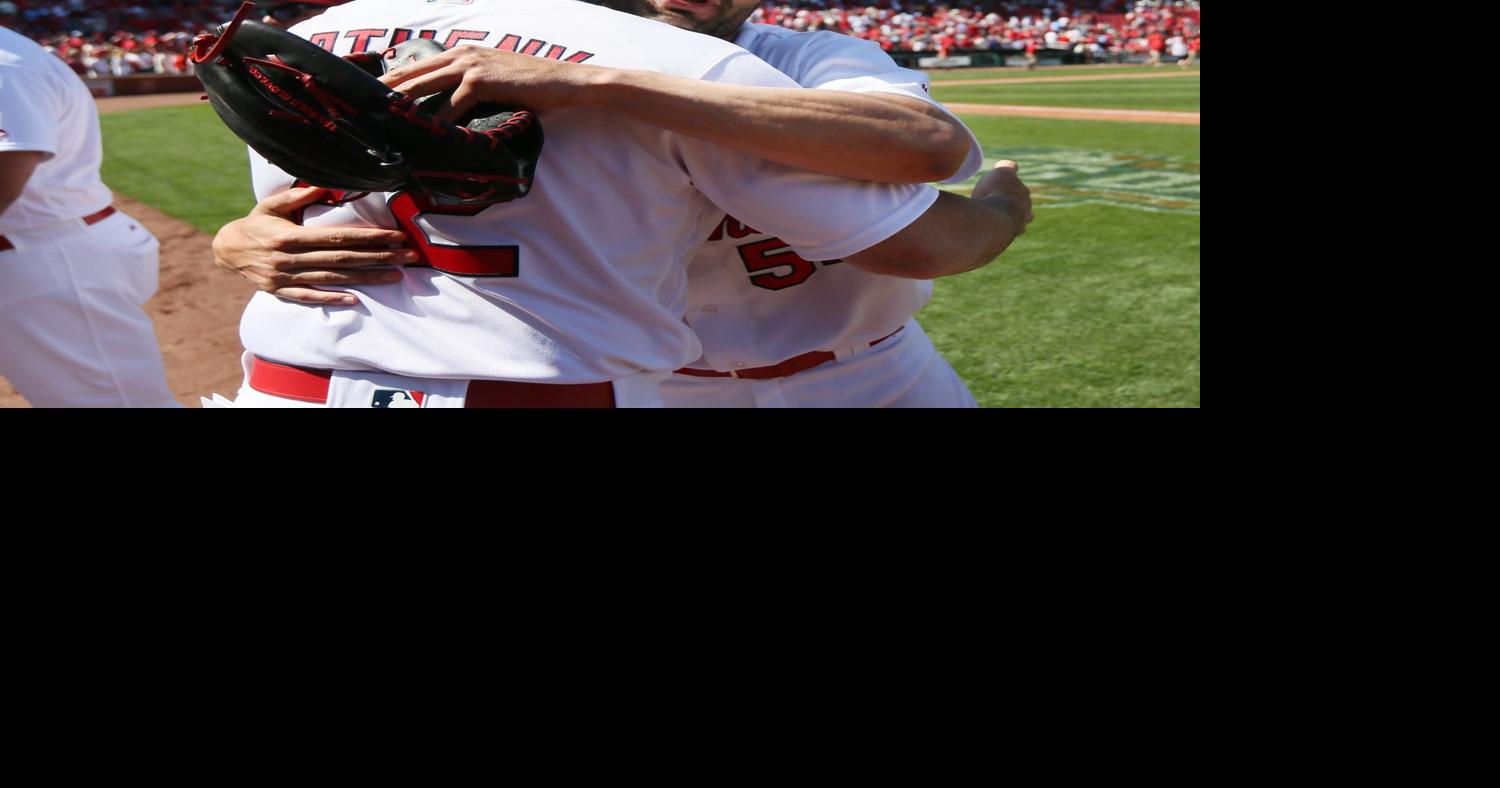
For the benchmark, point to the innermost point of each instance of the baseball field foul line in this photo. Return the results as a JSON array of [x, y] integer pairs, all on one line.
[[1071, 113]]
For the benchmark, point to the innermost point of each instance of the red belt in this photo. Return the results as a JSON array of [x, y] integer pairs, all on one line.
[[91, 219], [311, 385], [787, 368]]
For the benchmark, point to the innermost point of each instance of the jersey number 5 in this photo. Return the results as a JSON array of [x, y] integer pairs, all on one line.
[[774, 253]]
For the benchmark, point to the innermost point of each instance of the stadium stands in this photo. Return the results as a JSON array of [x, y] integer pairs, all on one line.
[[116, 38]]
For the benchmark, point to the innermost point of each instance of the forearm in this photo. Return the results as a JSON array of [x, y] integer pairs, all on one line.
[[871, 137], [16, 168], [956, 235], [291, 261]]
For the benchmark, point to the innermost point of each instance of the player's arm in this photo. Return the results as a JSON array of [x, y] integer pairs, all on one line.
[[904, 230], [29, 111], [956, 234], [16, 168], [864, 136], [284, 258]]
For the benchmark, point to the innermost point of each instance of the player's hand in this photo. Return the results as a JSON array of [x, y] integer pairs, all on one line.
[[479, 74], [1003, 188], [288, 260]]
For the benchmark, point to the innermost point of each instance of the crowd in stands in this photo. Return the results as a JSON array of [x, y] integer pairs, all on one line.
[[103, 38], [1099, 30]]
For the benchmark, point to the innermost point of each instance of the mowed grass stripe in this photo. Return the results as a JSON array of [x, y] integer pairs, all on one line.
[[1139, 139], [1177, 95], [962, 74], [180, 160]]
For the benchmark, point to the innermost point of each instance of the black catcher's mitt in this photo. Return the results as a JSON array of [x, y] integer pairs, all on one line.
[[328, 121]]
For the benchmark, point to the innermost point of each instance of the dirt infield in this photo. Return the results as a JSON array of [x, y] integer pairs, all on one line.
[[128, 103], [196, 311], [1072, 113]]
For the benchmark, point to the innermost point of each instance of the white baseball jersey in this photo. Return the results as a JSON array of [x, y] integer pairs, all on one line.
[[45, 107], [833, 61], [754, 301], [72, 331], [594, 282]]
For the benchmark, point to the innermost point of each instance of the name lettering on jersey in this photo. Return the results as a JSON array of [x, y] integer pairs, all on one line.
[[457, 36], [364, 40], [511, 42], [402, 35], [771, 263], [733, 228]]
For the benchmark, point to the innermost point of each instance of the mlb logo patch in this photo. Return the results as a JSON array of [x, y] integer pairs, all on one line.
[[397, 398]]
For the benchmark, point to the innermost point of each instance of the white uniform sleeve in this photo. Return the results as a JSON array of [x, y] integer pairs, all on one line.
[[821, 217], [266, 178], [743, 68], [29, 112], [818, 216], [839, 62], [830, 61]]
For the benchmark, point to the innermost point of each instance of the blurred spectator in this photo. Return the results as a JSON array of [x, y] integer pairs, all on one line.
[[1097, 29], [1192, 55], [1156, 42], [102, 38]]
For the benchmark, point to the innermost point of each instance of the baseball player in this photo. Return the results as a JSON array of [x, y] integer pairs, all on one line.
[[74, 271], [589, 307], [782, 331], [777, 329]]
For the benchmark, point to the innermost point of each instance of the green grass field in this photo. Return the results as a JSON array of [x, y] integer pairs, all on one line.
[[1097, 306], [180, 160], [1181, 94]]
